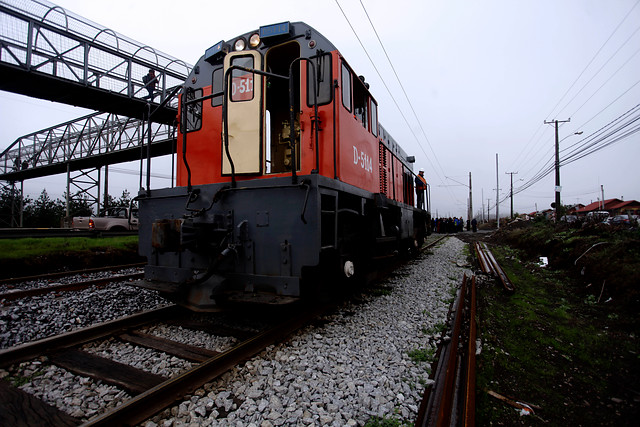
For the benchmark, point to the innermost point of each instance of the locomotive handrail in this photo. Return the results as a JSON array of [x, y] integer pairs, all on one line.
[[305, 183], [183, 126], [292, 118], [150, 113]]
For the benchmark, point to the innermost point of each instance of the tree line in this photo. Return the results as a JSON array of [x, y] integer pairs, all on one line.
[[47, 212]]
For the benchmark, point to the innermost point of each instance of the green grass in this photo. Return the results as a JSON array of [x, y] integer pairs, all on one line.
[[548, 345], [383, 422], [19, 381], [438, 328], [422, 355], [29, 248]]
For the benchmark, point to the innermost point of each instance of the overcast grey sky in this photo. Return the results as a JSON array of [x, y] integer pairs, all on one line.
[[481, 77]]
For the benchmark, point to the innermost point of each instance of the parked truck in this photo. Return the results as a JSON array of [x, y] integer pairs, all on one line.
[[113, 219]]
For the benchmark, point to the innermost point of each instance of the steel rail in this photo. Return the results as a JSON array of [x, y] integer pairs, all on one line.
[[23, 293], [68, 273], [499, 272], [469, 413], [432, 244], [446, 404], [451, 399], [482, 258]]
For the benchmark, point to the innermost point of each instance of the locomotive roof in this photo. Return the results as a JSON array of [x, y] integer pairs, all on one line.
[[395, 148], [272, 35]]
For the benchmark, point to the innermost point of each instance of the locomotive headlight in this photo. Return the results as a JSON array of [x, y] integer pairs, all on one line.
[[240, 45], [254, 41]]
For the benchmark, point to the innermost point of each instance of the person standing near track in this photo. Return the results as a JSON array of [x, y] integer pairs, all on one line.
[[421, 186]]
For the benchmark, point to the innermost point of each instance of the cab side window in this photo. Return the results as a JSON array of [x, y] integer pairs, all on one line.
[[323, 79], [374, 118], [194, 111], [242, 81], [216, 88], [346, 87], [361, 102]]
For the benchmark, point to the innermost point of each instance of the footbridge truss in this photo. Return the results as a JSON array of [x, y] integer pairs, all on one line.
[[91, 141], [50, 53]]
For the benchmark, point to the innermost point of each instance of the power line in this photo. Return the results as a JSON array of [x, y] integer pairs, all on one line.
[[600, 69], [529, 145], [613, 132], [595, 56], [380, 76], [610, 104], [402, 87], [393, 98]]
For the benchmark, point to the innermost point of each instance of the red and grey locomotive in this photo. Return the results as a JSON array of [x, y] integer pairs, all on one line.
[[283, 173]]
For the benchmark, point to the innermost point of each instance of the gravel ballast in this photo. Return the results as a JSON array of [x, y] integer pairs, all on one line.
[[359, 364], [355, 367]]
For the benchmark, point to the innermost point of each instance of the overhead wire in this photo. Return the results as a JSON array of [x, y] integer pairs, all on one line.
[[610, 104], [600, 69], [613, 132], [549, 165], [594, 57], [601, 134], [517, 161], [402, 87], [379, 75], [392, 97]]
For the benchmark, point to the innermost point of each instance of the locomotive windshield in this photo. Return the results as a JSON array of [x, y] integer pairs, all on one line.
[[242, 81]]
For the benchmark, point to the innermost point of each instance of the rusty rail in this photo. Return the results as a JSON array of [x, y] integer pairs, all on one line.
[[51, 276], [489, 265], [451, 399], [24, 293]]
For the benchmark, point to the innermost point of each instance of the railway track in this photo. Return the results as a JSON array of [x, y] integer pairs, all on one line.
[[435, 242], [451, 399], [151, 393]]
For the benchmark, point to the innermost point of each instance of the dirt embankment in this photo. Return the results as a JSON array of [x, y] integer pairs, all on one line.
[[566, 340], [604, 260]]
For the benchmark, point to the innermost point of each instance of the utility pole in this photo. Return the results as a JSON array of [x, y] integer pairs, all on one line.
[[511, 173], [470, 204], [558, 188], [497, 194]]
